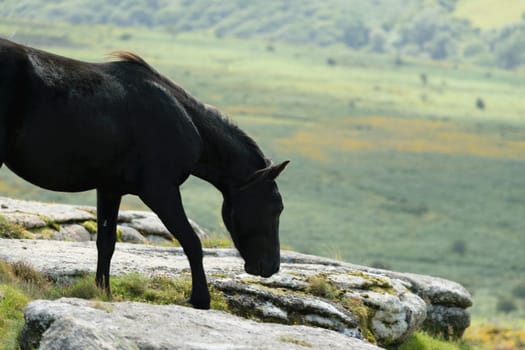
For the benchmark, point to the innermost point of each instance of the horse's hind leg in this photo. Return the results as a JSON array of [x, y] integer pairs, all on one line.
[[107, 212], [166, 202], [3, 135]]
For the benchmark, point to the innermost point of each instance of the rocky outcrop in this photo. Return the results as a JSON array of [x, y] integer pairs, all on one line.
[[78, 223], [308, 290], [81, 324], [380, 306]]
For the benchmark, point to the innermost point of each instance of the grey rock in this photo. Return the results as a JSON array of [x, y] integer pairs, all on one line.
[[198, 230], [396, 316], [448, 322], [446, 303], [55, 212], [253, 299], [68, 333], [148, 224], [129, 215], [27, 220], [451, 297], [73, 233], [80, 324], [130, 235], [33, 215], [158, 239], [436, 290]]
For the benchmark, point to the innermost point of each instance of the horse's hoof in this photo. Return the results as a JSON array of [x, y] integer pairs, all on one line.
[[200, 304]]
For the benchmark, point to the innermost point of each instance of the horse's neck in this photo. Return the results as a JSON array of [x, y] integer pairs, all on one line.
[[228, 157]]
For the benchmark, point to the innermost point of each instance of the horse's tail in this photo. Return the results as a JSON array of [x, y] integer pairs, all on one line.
[[12, 57], [3, 107]]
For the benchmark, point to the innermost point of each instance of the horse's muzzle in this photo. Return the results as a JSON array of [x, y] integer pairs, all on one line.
[[262, 269]]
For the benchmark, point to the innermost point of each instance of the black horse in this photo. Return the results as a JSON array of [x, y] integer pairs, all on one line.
[[122, 128]]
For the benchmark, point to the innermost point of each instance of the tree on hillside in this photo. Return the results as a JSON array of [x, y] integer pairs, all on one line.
[[355, 34], [442, 46], [511, 52], [422, 28], [378, 41]]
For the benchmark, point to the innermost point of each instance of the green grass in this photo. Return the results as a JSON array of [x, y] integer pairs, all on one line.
[[12, 303], [422, 341], [12, 230], [20, 283], [496, 333], [385, 171]]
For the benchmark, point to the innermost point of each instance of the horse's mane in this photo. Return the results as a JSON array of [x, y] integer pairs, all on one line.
[[127, 56], [193, 104]]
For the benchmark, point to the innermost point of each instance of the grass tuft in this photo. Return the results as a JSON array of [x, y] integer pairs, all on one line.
[[12, 230], [83, 287], [26, 274], [319, 286], [216, 241], [12, 304], [423, 341]]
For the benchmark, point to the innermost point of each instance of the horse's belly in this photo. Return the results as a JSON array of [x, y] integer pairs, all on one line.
[[54, 165], [54, 176]]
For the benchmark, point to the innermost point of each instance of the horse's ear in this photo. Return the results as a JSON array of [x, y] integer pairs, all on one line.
[[267, 174], [275, 170]]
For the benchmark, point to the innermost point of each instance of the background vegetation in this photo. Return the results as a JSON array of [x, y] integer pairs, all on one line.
[[481, 31], [401, 159]]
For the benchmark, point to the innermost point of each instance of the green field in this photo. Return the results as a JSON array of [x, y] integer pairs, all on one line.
[[388, 169]]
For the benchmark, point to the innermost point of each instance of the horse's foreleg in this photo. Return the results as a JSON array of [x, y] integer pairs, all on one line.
[[166, 203], [107, 212]]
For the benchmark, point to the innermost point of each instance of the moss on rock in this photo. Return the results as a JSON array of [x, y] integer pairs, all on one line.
[[50, 222], [9, 229], [90, 226], [43, 232], [375, 283]]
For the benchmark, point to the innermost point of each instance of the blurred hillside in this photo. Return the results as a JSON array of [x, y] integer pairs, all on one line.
[[485, 32]]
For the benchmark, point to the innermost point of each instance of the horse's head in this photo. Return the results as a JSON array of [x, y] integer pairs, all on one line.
[[251, 215]]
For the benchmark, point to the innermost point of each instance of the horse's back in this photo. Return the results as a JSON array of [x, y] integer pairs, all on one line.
[[85, 125]]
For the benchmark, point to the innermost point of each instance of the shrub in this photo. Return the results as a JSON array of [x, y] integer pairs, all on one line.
[[506, 305], [381, 265], [356, 34], [459, 247], [330, 61], [126, 36], [424, 78], [519, 291], [511, 52], [480, 104]]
